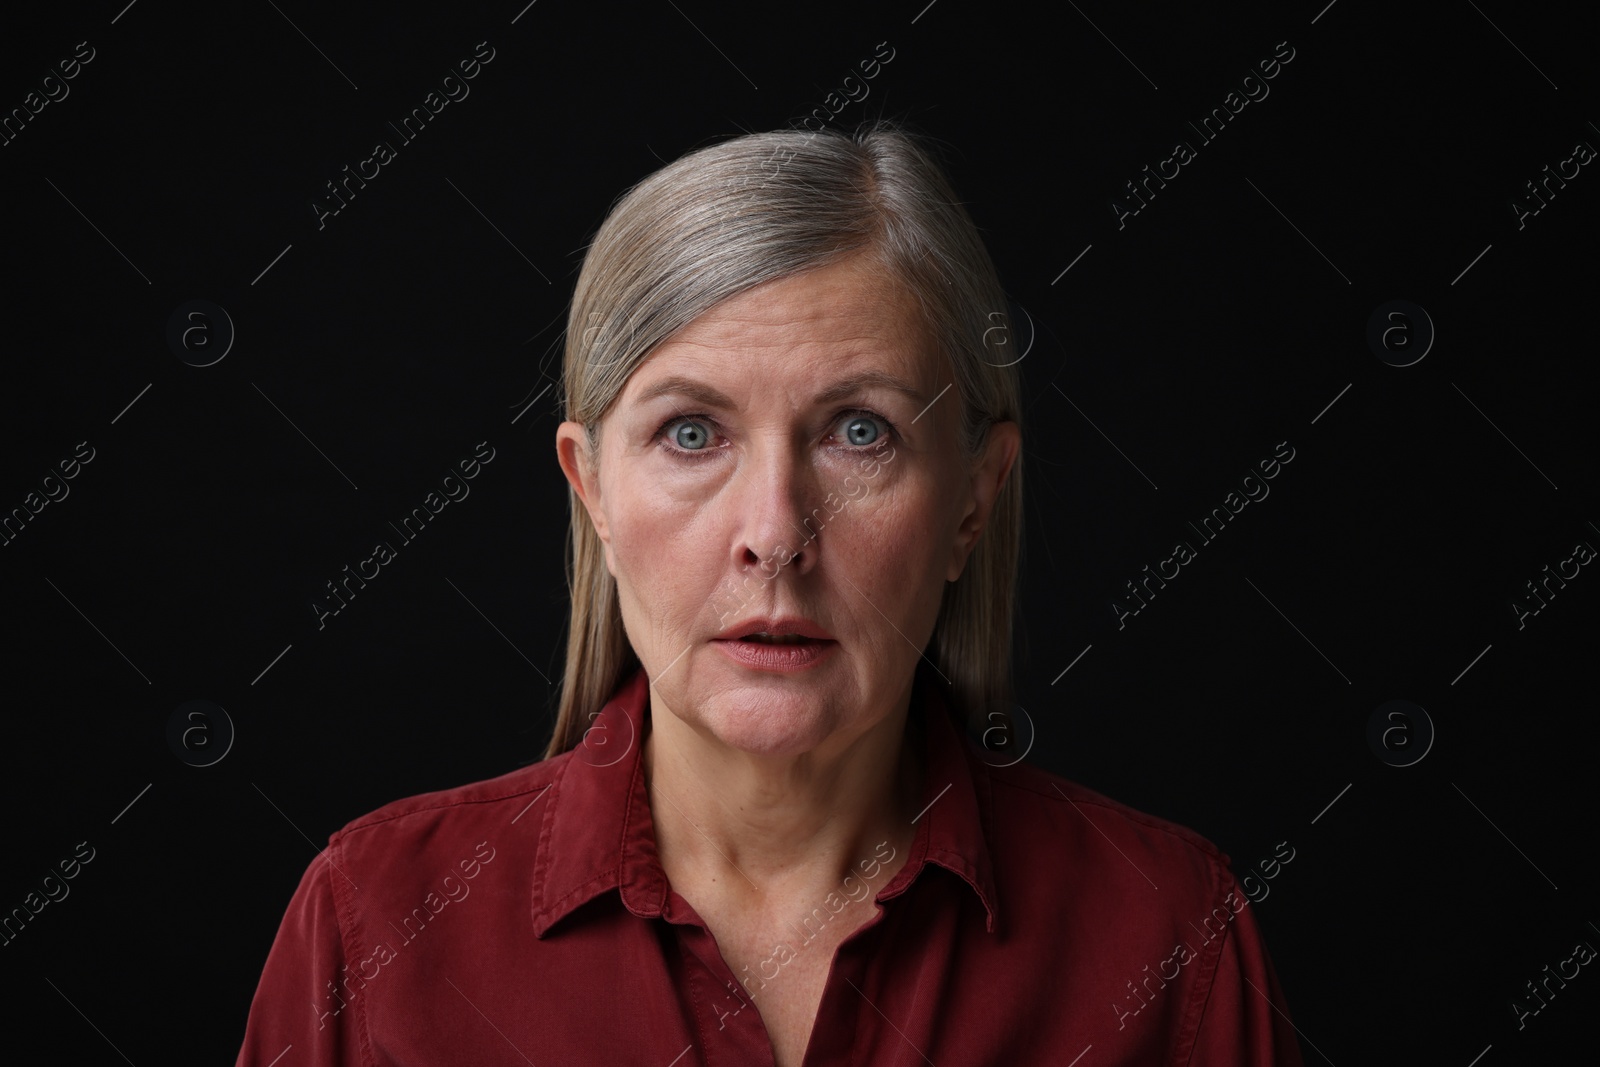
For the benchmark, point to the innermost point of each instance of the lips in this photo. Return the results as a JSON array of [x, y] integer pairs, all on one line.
[[797, 653], [787, 629]]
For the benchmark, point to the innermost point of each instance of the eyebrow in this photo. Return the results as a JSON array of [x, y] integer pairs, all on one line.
[[703, 394]]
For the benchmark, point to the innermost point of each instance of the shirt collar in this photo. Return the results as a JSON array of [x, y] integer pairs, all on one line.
[[597, 832]]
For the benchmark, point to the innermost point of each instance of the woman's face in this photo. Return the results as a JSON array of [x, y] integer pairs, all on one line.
[[792, 453]]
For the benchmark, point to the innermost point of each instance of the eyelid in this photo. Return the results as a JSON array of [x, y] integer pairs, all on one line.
[[660, 434]]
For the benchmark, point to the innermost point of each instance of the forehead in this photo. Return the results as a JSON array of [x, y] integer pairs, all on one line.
[[843, 319]]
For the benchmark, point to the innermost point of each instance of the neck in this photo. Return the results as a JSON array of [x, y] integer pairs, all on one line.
[[752, 827]]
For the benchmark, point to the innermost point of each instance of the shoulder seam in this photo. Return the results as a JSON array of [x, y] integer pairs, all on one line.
[[346, 921], [1200, 998], [372, 819]]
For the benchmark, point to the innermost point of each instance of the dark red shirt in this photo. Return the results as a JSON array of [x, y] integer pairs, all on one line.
[[527, 920]]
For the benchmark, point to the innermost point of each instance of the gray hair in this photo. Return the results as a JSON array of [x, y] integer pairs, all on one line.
[[753, 209]]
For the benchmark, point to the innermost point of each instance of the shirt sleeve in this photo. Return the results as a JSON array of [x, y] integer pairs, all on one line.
[[301, 1002], [1245, 1020]]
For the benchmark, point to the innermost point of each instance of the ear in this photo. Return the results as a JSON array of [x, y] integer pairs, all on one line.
[[582, 471], [989, 475]]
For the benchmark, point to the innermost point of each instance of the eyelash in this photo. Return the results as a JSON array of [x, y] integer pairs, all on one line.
[[703, 453]]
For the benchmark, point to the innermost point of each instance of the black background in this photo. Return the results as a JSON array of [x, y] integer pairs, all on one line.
[[1227, 316]]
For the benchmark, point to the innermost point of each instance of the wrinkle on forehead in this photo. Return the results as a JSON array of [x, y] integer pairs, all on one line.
[[847, 316]]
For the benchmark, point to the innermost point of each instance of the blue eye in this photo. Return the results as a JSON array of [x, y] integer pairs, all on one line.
[[861, 429], [687, 437], [691, 436]]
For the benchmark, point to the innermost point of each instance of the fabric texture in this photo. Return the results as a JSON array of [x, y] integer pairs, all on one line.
[[526, 919]]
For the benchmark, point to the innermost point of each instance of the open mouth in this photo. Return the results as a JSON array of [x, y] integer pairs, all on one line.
[[761, 651]]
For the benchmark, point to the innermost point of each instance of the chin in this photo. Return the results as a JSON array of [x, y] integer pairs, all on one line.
[[765, 720]]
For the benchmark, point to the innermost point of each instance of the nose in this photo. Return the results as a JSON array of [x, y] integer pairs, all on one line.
[[776, 526]]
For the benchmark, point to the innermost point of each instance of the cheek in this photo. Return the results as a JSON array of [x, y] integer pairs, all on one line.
[[658, 545], [665, 569], [651, 512], [642, 536], [888, 542]]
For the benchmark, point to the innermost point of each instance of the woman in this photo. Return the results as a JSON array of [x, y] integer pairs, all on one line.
[[758, 835]]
